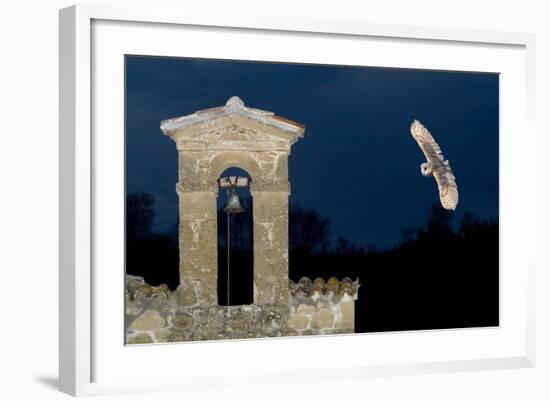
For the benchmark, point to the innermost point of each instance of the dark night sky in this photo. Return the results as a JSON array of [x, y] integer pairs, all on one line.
[[357, 163]]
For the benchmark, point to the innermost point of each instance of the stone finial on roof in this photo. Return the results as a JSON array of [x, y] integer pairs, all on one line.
[[234, 102]]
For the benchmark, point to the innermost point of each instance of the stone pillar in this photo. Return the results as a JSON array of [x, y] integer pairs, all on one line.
[[198, 247], [270, 247]]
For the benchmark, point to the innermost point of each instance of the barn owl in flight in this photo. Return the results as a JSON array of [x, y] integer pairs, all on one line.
[[436, 166]]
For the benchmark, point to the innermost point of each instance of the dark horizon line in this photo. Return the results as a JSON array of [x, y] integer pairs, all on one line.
[[333, 239]]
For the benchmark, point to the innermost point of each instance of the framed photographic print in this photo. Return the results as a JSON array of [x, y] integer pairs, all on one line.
[[236, 192]]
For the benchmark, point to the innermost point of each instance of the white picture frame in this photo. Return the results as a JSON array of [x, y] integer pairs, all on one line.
[[84, 355]]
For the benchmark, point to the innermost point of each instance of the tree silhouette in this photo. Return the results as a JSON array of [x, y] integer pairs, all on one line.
[[153, 256], [344, 246], [140, 212], [438, 227], [308, 231]]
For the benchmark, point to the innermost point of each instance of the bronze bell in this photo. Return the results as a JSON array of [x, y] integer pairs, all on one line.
[[233, 203]]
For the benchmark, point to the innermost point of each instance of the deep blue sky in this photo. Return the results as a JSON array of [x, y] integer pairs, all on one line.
[[357, 163]]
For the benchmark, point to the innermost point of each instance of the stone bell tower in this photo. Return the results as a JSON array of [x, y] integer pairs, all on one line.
[[208, 142]]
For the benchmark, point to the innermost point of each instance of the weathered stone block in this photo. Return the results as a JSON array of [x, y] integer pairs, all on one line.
[[187, 295], [237, 325], [323, 319], [305, 309], [272, 320], [132, 309], [149, 320], [183, 320], [141, 338], [164, 336], [206, 292], [347, 310], [299, 322]]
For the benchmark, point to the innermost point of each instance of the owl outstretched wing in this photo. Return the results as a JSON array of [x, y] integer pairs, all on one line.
[[437, 165]]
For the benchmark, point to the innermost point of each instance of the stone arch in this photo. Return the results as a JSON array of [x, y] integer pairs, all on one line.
[[229, 159]]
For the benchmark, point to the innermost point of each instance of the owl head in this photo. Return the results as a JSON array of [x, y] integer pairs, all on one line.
[[426, 169]]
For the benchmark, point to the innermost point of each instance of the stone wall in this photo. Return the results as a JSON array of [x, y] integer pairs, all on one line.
[[322, 308], [154, 315]]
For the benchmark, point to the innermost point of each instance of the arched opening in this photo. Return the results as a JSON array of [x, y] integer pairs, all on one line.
[[236, 262]]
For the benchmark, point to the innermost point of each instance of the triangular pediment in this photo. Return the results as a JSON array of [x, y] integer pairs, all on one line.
[[233, 124]]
